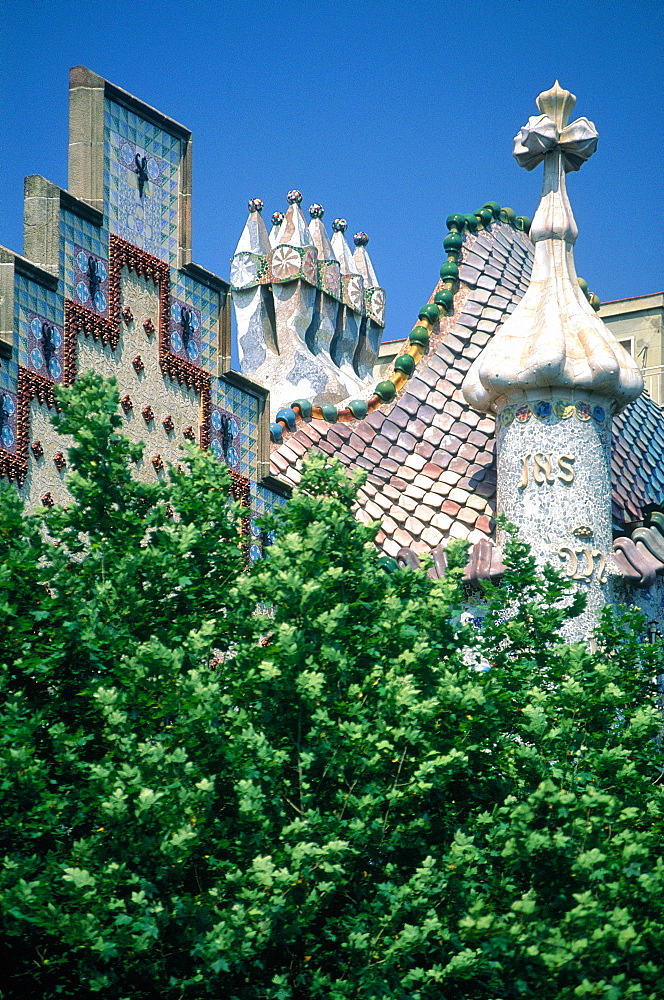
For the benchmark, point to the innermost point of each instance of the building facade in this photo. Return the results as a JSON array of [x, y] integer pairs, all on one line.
[[509, 395], [107, 282]]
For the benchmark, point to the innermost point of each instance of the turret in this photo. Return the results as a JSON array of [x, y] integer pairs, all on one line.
[[554, 374]]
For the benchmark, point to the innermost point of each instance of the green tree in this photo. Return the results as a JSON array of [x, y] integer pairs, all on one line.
[[301, 780]]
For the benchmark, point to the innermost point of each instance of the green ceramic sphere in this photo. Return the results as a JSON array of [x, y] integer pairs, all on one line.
[[405, 364], [523, 223], [655, 519], [583, 285], [455, 222], [453, 243], [485, 215], [329, 412], [429, 312], [304, 407], [445, 298], [389, 564], [508, 215], [493, 207], [449, 271], [471, 222], [386, 391], [359, 408], [419, 335]]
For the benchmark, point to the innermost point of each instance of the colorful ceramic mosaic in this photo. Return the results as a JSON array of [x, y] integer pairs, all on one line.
[[8, 421], [91, 280], [141, 181], [248, 269], [30, 300], [185, 331], [551, 412], [45, 347], [244, 410], [78, 236], [206, 305], [225, 437]]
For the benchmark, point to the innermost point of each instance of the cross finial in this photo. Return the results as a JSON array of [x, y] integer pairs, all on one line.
[[553, 341], [549, 131], [557, 104]]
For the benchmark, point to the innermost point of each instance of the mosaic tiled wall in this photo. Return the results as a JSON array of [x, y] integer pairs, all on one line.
[[34, 304], [141, 181], [204, 304], [108, 293]]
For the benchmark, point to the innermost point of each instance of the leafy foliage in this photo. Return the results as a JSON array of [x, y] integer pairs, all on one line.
[[299, 781]]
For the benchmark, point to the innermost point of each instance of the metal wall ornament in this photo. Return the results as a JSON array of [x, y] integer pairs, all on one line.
[[141, 169]]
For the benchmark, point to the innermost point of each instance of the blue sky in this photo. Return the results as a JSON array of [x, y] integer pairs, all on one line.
[[392, 115]]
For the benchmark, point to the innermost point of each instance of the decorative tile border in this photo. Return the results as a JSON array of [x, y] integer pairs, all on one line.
[[548, 412]]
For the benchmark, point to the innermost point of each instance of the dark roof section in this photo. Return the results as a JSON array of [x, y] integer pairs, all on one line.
[[637, 461]]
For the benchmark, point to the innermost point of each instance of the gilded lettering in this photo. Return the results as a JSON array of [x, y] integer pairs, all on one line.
[[566, 474], [566, 553], [542, 469], [524, 475]]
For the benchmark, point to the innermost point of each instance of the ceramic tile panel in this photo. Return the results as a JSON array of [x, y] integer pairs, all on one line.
[[141, 181], [205, 304], [35, 304], [81, 241], [243, 408]]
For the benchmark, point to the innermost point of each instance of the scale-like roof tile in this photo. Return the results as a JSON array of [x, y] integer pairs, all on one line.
[[431, 459]]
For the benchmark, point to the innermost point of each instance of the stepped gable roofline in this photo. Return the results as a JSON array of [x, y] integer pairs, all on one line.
[[553, 341], [81, 76]]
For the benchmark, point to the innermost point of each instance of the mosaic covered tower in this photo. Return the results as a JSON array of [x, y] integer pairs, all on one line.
[[554, 374], [309, 313]]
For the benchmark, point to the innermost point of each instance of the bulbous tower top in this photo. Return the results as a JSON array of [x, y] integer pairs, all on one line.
[[553, 340]]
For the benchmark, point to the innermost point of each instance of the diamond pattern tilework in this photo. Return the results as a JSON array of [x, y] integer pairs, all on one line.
[[203, 300], [31, 299], [244, 408], [143, 206], [8, 375], [264, 501], [430, 459], [8, 421], [77, 234]]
